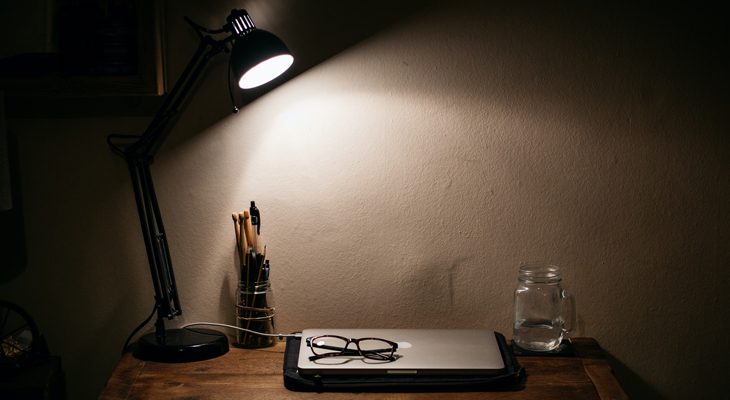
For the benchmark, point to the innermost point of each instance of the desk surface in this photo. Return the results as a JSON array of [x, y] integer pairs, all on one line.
[[258, 374]]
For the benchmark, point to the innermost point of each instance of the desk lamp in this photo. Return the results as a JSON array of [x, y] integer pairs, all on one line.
[[257, 57]]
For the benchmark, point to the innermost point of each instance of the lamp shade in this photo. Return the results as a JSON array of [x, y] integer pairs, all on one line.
[[258, 57]]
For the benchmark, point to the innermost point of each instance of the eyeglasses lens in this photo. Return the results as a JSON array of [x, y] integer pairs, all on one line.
[[323, 346], [377, 349]]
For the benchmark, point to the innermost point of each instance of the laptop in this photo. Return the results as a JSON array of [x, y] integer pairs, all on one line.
[[419, 352]]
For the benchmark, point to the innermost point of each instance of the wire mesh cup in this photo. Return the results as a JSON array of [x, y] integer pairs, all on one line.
[[255, 312]]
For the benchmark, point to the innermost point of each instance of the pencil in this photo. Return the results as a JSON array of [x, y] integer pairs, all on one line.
[[238, 237]]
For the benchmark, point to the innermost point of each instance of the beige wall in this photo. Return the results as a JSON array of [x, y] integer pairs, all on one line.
[[404, 180]]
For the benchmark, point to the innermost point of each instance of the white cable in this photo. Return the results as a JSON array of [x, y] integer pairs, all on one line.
[[281, 336]]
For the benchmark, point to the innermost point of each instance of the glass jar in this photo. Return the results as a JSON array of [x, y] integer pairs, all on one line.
[[541, 305], [255, 311]]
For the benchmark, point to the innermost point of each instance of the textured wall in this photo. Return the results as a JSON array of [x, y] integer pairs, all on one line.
[[404, 180]]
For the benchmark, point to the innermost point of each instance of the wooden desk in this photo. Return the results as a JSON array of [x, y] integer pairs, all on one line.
[[258, 374]]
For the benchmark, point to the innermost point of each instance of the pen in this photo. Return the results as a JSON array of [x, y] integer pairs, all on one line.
[[255, 217], [267, 270], [255, 225]]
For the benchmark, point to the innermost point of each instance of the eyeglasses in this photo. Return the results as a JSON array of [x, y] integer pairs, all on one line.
[[332, 346]]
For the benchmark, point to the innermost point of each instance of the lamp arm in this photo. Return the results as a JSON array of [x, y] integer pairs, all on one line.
[[155, 240], [151, 138], [139, 156]]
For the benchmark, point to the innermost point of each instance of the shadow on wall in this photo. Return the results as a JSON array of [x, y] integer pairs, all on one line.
[[630, 381]]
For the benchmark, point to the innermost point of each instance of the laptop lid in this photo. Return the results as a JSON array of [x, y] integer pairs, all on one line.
[[420, 351]]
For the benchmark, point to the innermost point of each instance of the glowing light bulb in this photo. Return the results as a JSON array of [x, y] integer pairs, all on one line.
[[265, 71]]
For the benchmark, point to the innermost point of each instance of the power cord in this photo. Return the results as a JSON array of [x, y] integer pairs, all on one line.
[[140, 327], [281, 336]]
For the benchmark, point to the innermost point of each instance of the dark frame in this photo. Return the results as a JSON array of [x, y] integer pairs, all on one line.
[[149, 81]]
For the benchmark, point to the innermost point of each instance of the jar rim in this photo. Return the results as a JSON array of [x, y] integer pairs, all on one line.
[[542, 273]]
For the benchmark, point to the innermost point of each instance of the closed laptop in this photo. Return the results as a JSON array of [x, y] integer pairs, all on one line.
[[417, 352]]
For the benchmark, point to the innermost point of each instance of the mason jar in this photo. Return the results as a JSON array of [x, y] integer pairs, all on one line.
[[255, 312], [544, 310]]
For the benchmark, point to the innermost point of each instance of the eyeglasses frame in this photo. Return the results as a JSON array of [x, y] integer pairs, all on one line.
[[367, 353]]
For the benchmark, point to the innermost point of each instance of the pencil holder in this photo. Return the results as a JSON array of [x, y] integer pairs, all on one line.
[[255, 311]]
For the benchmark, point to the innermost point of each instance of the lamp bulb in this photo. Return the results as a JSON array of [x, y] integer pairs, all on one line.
[[265, 71]]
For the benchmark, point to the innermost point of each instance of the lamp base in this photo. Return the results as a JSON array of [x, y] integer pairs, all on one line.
[[182, 345]]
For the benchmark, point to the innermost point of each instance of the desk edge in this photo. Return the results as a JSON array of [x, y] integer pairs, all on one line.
[[598, 369], [123, 378]]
